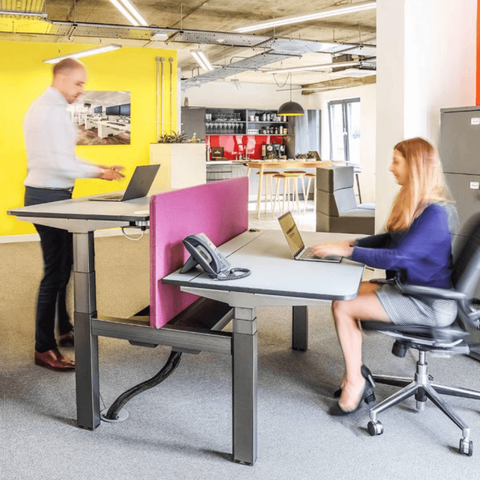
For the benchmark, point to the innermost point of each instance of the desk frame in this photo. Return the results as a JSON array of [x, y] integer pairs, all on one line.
[[242, 345], [244, 297]]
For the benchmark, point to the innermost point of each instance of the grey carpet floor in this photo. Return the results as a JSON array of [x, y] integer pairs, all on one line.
[[182, 429]]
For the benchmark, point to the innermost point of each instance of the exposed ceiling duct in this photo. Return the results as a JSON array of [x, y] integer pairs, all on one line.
[[128, 32], [283, 49], [28, 17], [252, 63]]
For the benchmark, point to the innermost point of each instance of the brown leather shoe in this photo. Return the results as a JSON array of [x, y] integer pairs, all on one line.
[[54, 360], [66, 340]]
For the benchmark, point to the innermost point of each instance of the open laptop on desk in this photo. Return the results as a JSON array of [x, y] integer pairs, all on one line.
[[295, 242], [138, 186]]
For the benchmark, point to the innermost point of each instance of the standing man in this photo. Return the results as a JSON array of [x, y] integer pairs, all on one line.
[[52, 170]]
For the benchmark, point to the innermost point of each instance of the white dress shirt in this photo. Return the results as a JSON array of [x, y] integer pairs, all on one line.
[[50, 142]]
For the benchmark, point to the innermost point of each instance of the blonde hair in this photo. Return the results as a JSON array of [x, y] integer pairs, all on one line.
[[425, 185], [66, 66]]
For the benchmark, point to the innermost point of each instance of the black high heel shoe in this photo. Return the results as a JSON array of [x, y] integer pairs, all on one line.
[[367, 375], [367, 396]]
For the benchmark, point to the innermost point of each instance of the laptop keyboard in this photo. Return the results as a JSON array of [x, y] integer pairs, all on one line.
[[113, 197], [308, 254]]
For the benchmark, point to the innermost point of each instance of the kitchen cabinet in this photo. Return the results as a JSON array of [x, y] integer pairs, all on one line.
[[219, 171], [223, 170]]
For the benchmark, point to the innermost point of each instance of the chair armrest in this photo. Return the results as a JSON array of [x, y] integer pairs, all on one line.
[[421, 291], [382, 281]]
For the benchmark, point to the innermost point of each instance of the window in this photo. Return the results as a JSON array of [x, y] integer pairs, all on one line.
[[344, 121]]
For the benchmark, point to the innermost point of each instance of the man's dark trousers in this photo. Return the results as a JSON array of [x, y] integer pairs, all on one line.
[[57, 249]]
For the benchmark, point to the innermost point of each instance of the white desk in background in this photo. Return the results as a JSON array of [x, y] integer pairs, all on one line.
[[106, 128], [92, 122]]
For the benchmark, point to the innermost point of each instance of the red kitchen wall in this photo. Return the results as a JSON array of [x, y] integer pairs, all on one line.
[[239, 144]]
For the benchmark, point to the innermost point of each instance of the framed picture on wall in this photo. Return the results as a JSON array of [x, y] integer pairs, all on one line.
[[102, 118]]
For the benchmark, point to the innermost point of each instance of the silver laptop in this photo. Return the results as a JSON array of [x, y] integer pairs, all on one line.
[[138, 186], [295, 242]]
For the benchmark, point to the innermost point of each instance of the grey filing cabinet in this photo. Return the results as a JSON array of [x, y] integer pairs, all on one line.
[[460, 153]]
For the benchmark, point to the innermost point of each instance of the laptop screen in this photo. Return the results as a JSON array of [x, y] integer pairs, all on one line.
[[141, 181], [292, 234]]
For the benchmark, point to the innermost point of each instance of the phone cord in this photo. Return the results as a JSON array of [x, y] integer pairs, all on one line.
[[234, 274]]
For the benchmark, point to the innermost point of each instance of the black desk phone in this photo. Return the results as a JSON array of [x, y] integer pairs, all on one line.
[[204, 253]]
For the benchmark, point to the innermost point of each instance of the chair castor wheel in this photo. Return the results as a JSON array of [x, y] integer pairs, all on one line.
[[375, 428], [466, 447]]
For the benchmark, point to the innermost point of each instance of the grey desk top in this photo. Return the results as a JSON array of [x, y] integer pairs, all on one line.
[[274, 272], [83, 209]]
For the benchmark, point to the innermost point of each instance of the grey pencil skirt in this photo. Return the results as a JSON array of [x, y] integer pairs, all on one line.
[[407, 310]]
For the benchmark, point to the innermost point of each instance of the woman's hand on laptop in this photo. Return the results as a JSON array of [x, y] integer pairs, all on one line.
[[342, 249]]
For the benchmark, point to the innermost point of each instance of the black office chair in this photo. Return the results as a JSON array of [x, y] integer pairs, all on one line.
[[446, 341]]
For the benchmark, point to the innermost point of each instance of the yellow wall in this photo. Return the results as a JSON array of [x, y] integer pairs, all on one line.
[[23, 77]]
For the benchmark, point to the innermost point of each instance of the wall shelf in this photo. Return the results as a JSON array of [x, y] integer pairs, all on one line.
[[219, 116]]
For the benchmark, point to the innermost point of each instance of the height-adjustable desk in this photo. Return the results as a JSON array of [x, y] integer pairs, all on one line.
[[82, 217], [276, 280]]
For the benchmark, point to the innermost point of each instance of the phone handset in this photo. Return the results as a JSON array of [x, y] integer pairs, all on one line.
[[204, 253]]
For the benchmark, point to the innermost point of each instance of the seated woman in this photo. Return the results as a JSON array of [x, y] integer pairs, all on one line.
[[416, 249]]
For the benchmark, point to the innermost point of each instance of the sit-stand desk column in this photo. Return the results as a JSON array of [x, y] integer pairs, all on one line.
[[300, 328], [86, 344], [81, 217], [244, 366]]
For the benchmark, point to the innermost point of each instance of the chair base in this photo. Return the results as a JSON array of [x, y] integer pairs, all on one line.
[[423, 389]]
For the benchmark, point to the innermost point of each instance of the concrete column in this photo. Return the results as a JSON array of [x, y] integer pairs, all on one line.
[[426, 60]]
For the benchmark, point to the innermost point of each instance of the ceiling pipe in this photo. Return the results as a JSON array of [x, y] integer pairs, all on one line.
[[23, 14]]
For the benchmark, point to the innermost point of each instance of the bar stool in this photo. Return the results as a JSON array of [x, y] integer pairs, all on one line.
[[290, 186], [302, 174], [268, 180], [310, 176]]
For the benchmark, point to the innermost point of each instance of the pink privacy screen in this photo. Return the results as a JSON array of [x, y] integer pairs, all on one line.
[[218, 209]]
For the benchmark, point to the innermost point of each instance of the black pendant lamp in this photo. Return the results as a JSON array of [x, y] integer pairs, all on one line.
[[291, 109]]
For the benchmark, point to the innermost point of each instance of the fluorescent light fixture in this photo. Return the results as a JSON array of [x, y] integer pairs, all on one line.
[[329, 12], [236, 84], [302, 89], [322, 66], [159, 37], [353, 72], [127, 9], [201, 59], [23, 14], [84, 53]]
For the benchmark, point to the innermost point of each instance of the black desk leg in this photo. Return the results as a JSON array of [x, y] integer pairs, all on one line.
[[300, 328], [244, 364], [86, 344]]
